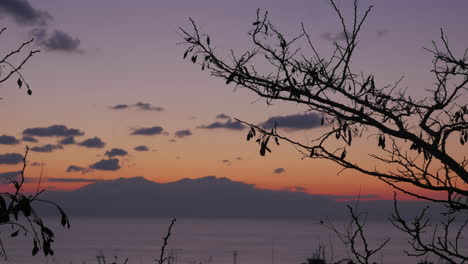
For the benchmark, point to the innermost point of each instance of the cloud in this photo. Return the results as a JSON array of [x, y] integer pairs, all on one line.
[[141, 148], [223, 116], [294, 122], [120, 107], [23, 13], [73, 168], [183, 133], [94, 142], [226, 161], [67, 141], [46, 148], [106, 164], [73, 180], [138, 106], [8, 140], [335, 37], [279, 170], [148, 131], [147, 107], [172, 140], [116, 152], [56, 41], [29, 139], [35, 164], [229, 125], [5, 177], [52, 131], [239, 158], [11, 158]]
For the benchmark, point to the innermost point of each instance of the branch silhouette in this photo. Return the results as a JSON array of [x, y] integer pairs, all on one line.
[[411, 135]]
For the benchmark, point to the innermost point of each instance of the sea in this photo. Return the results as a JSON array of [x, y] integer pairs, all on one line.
[[202, 241]]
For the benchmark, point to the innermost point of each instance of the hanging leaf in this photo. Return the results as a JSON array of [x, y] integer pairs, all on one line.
[[20, 83], [208, 40], [343, 154], [14, 234], [186, 53], [35, 248], [255, 23]]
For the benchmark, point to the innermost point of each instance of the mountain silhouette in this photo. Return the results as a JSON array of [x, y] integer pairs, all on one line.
[[203, 197]]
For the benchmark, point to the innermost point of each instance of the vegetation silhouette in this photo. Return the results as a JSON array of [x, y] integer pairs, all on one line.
[[412, 135], [17, 203]]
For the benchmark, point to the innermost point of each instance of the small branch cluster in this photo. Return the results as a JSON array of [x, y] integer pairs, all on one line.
[[8, 68], [16, 204]]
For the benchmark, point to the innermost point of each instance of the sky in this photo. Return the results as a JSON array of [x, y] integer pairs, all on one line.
[[112, 96]]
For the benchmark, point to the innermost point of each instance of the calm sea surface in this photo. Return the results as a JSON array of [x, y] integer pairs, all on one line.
[[200, 241]]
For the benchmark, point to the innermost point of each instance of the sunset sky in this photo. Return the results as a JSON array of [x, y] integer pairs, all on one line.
[[111, 75]]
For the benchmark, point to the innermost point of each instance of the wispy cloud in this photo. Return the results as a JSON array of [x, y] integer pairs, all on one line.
[[106, 165], [11, 158], [46, 148], [294, 122], [52, 131], [148, 131], [8, 140], [229, 125], [23, 13], [141, 106], [141, 148], [116, 152], [94, 142], [183, 133], [56, 40]]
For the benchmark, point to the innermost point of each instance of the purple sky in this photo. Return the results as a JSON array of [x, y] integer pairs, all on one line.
[[127, 53]]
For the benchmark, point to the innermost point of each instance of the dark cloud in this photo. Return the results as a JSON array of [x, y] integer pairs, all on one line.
[[56, 41], [229, 124], [8, 140], [139, 106], [73, 168], [294, 122], [279, 170], [147, 107], [141, 148], [226, 161], [94, 142], [73, 180], [5, 177], [172, 140], [223, 116], [183, 133], [35, 164], [335, 37], [67, 141], [148, 131], [116, 152], [119, 107], [29, 139], [106, 164], [52, 131], [23, 13], [239, 158], [11, 158], [46, 148]]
